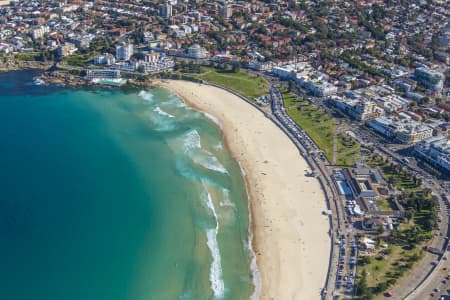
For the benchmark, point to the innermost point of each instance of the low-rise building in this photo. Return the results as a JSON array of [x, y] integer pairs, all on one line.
[[260, 66], [127, 66], [436, 150], [105, 59], [359, 108], [320, 88], [66, 49], [162, 63], [39, 32], [285, 72], [430, 78], [102, 74], [406, 130], [196, 51], [393, 102]]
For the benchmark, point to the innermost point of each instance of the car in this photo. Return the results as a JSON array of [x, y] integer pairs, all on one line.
[[437, 290]]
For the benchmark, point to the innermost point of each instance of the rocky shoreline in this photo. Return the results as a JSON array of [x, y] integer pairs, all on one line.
[[53, 75], [25, 65]]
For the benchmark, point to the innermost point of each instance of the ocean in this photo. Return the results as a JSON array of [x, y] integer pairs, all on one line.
[[111, 194]]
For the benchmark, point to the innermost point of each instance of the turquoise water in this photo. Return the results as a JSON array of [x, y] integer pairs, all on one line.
[[113, 195]]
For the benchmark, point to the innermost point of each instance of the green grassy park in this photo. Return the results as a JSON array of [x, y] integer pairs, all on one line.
[[348, 150], [318, 125], [244, 83], [379, 272]]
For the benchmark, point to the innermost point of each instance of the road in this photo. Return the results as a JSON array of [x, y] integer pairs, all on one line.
[[343, 255], [425, 276]]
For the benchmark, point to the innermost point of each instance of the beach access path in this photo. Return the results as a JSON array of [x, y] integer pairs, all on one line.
[[291, 240]]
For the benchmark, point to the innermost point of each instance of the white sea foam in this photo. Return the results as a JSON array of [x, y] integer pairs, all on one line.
[[255, 271], [256, 274], [214, 119], [191, 141], [208, 161], [218, 146], [147, 96], [226, 202], [193, 148], [215, 275], [174, 100], [162, 113], [162, 123]]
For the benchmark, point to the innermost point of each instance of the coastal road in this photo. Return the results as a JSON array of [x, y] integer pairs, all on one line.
[[311, 152], [425, 269]]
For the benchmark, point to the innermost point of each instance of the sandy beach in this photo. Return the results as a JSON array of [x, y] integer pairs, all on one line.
[[291, 239]]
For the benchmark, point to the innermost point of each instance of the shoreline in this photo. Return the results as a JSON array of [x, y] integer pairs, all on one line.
[[300, 272]]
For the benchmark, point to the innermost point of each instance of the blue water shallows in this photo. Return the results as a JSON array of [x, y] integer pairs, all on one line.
[[113, 195]]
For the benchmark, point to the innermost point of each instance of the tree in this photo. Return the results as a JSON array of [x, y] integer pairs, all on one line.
[[291, 85], [236, 67], [362, 289], [380, 230]]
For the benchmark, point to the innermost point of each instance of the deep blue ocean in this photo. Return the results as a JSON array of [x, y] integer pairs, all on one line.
[[114, 195]]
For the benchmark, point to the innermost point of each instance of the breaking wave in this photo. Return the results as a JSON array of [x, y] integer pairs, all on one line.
[[192, 147], [162, 113], [147, 96], [215, 274]]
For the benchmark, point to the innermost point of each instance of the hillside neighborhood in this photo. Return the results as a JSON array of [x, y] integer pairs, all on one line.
[[362, 86]]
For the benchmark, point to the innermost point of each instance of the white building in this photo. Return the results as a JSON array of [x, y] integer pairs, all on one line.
[[383, 126], [197, 52], [152, 57], [38, 33], [156, 63], [105, 59], [124, 52], [393, 102], [260, 66], [126, 66], [435, 150], [7, 48], [316, 84], [358, 107], [187, 29], [285, 72], [102, 74], [406, 131]]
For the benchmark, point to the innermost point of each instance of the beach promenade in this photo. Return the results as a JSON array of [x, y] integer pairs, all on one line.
[[291, 235]]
